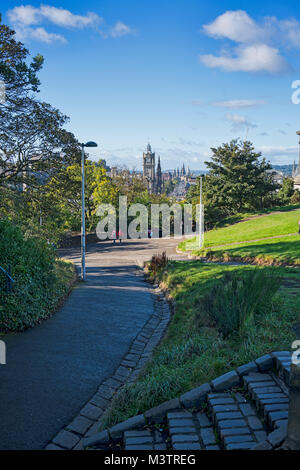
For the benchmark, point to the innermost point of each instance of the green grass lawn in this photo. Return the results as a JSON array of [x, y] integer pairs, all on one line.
[[190, 354], [261, 227], [283, 250]]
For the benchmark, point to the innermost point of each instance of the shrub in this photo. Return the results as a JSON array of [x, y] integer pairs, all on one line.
[[236, 301], [158, 262], [37, 285]]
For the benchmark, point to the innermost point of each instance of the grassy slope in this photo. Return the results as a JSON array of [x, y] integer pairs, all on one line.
[[279, 250], [190, 356], [256, 228]]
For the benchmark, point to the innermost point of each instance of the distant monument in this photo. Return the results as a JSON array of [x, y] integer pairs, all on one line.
[[154, 179]]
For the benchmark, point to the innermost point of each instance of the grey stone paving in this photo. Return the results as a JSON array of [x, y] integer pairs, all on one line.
[[54, 369]]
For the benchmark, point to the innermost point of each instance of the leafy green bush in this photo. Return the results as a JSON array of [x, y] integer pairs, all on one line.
[[39, 280], [235, 301]]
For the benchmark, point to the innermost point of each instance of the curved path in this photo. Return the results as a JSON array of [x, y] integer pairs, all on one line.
[[53, 369]]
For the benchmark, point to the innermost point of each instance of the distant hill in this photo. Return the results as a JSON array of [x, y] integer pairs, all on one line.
[[285, 169]]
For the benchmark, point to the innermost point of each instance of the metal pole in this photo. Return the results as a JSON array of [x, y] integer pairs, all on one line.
[[200, 217], [82, 215]]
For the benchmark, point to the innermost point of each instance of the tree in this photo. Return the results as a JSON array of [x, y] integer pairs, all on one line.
[[33, 142], [287, 190], [295, 199], [19, 77], [238, 178]]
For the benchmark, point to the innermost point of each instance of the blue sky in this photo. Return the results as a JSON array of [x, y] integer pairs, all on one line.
[[185, 74]]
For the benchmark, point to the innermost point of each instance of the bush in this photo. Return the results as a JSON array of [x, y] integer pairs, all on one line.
[[295, 199], [39, 280], [158, 262], [236, 301]]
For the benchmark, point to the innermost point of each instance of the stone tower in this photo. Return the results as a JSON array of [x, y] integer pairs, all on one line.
[[149, 168]]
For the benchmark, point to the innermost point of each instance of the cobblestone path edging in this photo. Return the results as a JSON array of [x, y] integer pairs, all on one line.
[[244, 409], [88, 420]]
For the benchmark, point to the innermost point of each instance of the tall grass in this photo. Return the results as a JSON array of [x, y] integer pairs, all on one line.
[[236, 301]]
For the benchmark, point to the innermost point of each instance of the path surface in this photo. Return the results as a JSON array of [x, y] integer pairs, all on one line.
[[53, 369]]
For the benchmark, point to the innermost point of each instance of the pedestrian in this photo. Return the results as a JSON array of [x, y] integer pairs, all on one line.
[[299, 227], [120, 235]]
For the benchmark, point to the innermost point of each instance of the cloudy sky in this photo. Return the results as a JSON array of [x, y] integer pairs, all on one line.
[[185, 75]]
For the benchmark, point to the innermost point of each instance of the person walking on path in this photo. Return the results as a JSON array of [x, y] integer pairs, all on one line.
[[120, 235]]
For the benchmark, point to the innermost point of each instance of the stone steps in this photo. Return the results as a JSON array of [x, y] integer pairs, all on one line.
[[239, 419], [241, 410]]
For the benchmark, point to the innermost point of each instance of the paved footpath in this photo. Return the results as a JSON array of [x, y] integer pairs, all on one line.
[[53, 369]]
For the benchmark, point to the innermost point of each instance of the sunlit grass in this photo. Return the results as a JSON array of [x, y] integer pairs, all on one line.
[[272, 225], [191, 355]]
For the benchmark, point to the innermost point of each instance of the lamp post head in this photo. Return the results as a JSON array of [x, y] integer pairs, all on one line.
[[90, 144]]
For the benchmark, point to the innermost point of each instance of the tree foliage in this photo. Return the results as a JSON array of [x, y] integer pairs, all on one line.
[[33, 141]]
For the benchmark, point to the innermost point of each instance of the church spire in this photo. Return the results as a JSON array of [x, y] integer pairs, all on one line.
[[158, 177]]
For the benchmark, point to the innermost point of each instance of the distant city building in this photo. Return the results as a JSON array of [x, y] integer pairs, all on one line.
[[276, 175], [153, 177], [296, 170], [156, 178]]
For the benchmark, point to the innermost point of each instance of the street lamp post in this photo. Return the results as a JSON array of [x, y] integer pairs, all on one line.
[[83, 242], [201, 228]]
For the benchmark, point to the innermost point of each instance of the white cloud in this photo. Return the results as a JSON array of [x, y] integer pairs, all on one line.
[[39, 34], [29, 15], [42, 35], [25, 14], [258, 43], [291, 32], [238, 121], [120, 29], [25, 18], [254, 58], [62, 17], [236, 104], [235, 25], [273, 151]]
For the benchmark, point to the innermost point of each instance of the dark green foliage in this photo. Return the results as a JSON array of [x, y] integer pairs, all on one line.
[[37, 285], [286, 190], [238, 177], [236, 301], [295, 199], [237, 182]]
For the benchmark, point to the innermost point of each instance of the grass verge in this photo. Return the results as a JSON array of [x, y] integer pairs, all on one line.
[[192, 354]]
